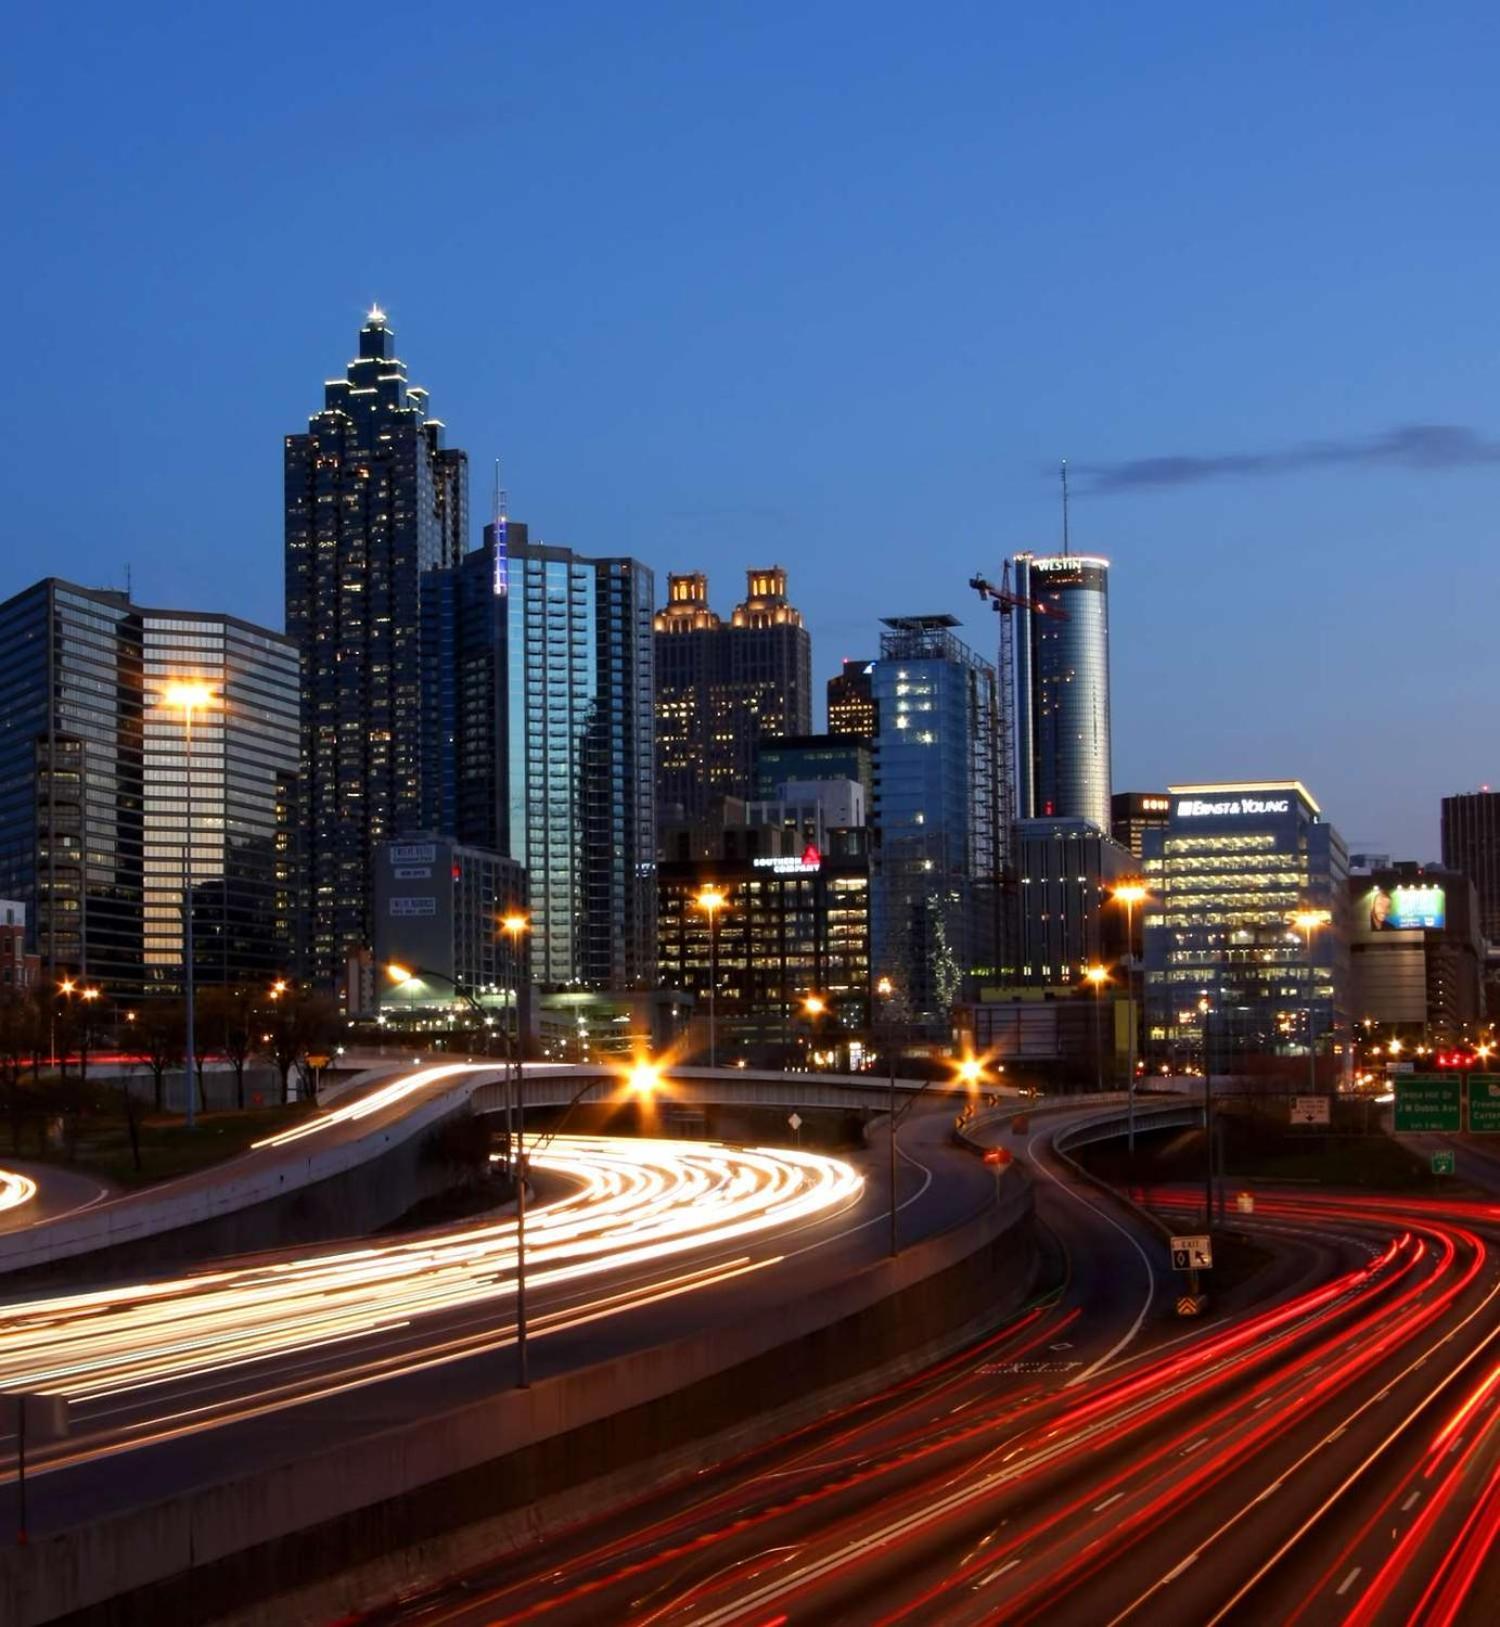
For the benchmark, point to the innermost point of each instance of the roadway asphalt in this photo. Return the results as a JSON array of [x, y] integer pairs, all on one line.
[[245, 1409], [58, 1192], [1327, 1450]]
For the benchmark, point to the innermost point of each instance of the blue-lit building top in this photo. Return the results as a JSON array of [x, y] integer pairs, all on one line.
[[1062, 689], [581, 783], [1228, 973], [936, 897]]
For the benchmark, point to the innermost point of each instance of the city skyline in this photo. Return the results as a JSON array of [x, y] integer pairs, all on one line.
[[1222, 401]]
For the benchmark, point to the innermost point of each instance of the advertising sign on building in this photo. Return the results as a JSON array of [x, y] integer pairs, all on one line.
[[1402, 909]]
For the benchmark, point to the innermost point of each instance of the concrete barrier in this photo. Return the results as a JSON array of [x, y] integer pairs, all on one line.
[[340, 1529]]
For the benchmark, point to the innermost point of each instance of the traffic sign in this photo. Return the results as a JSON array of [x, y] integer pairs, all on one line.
[[1245, 1202], [1484, 1104], [1443, 1163], [795, 1120], [319, 1061], [1190, 1304], [1310, 1110], [1192, 1253], [1429, 1102]]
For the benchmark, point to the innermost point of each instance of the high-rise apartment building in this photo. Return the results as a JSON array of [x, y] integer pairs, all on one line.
[[1471, 845], [94, 833], [581, 774], [1062, 688], [851, 701], [937, 896], [373, 499], [723, 690]]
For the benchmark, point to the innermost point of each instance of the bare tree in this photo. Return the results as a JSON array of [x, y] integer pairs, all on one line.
[[161, 1031], [296, 1023]]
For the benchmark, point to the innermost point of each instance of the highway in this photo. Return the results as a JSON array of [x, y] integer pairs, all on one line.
[[1329, 1452]]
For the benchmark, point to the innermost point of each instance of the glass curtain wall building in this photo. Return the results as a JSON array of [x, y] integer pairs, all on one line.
[[93, 824], [1471, 845], [1062, 689], [582, 783], [937, 896], [373, 499], [245, 752], [1228, 977]]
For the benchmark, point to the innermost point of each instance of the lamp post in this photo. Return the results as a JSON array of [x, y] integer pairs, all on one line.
[[88, 996], [814, 1005], [711, 900], [190, 696], [1307, 922], [1204, 1011], [1098, 976], [887, 992], [513, 925], [969, 1073], [1130, 893]]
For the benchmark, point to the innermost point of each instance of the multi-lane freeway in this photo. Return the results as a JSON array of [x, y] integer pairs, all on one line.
[[1328, 1452]]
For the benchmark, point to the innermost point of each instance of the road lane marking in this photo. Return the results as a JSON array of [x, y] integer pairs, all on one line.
[[1409, 1501], [1099, 1508], [1172, 1575], [1348, 1581]]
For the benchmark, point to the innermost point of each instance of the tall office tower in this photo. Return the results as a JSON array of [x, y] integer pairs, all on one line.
[[721, 691], [1133, 813], [1471, 845], [851, 701], [582, 783], [93, 782], [373, 499], [465, 690], [1062, 688], [937, 896]]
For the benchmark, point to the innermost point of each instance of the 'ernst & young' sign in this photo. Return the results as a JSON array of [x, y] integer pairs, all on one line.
[[1195, 808]]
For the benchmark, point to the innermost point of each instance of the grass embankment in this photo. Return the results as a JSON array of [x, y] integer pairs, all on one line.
[[82, 1127]]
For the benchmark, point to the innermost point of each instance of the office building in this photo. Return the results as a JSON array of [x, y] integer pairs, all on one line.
[[1133, 813], [581, 776], [20, 970], [1062, 688], [1417, 956], [1067, 873], [1229, 979], [94, 779], [721, 691], [373, 499], [1471, 845], [438, 908], [814, 757], [937, 900], [791, 943], [851, 701]]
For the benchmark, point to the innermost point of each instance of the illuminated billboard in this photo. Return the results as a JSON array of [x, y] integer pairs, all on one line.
[[1403, 908]]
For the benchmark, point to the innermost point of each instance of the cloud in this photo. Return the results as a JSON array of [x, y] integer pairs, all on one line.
[[1409, 446]]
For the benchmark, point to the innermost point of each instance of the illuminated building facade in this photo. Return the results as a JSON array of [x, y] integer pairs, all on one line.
[[1133, 813], [936, 796], [93, 781], [1067, 871], [1062, 688], [581, 778], [722, 690], [1227, 974], [373, 499], [1471, 844], [814, 757], [851, 701]]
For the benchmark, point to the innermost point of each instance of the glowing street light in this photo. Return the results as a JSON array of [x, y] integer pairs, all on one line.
[[1308, 921], [711, 900], [1098, 976], [1130, 893]]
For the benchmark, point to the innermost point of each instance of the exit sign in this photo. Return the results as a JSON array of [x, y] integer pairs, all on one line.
[[1429, 1102], [1484, 1103]]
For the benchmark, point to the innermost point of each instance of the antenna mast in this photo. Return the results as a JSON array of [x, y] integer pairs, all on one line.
[[1064, 473], [498, 530]]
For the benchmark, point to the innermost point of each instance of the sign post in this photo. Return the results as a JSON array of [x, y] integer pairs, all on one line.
[[39, 1418], [1443, 1163], [1310, 1110], [795, 1120], [1429, 1103]]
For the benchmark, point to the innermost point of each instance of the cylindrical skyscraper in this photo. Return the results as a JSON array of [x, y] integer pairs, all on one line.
[[1062, 688]]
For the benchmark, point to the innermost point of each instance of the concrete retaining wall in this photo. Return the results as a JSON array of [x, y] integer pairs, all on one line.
[[394, 1506]]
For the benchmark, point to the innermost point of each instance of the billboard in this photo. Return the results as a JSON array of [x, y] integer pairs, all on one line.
[[1405, 907]]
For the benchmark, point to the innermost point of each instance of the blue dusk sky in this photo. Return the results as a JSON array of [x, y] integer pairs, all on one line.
[[834, 285]]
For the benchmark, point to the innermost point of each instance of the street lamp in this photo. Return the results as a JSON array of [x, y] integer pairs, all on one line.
[[969, 1073], [711, 900], [1307, 922], [887, 992], [514, 925], [1130, 893], [190, 696], [1098, 976], [88, 996]]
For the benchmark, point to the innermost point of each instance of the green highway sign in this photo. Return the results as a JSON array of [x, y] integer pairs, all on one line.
[[1429, 1102], [1443, 1163], [1484, 1103]]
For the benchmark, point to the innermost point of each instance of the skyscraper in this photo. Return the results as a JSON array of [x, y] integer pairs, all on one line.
[[373, 499], [582, 775], [937, 897], [1471, 845], [721, 691], [93, 788], [851, 701], [1062, 688]]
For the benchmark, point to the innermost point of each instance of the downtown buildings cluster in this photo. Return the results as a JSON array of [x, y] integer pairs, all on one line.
[[447, 735]]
